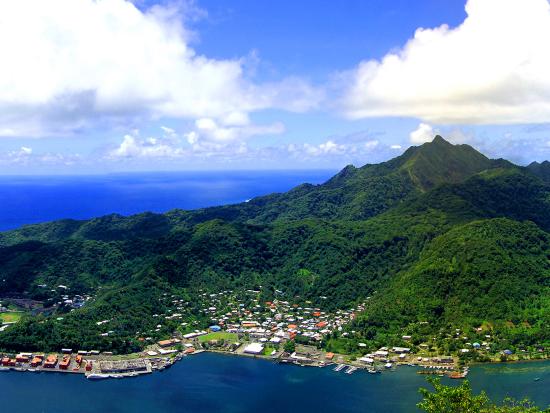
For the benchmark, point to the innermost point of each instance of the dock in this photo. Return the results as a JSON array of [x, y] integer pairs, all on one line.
[[339, 367]]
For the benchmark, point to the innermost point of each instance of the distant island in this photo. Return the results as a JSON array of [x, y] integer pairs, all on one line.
[[439, 258]]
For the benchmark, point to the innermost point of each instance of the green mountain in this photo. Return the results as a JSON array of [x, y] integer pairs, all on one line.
[[542, 170], [361, 193], [440, 234]]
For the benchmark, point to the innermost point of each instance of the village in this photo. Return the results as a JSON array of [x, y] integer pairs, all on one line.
[[239, 324]]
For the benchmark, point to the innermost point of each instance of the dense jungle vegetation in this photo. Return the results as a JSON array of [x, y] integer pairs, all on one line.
[[440, 235]]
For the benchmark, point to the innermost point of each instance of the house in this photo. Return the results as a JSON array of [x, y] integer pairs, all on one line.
[[51, 361], [64, 365], [22, 358], [254, 348], [367, 360], [36, 361], [401, 350], [168, 343], [329, 356], [189, 336]]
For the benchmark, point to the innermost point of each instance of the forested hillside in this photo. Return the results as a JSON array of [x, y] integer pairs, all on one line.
[[440, 234]]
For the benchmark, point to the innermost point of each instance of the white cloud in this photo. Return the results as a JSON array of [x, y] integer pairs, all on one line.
[[20, 156], [69, 63], [345, 147], [456, 135], [135, 147], [327, 148], [25, 156], [208, 138], [491, 69], [424, 133], [395, 147], [208, 129]]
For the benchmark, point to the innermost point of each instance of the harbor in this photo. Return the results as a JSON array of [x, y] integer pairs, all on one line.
[[214, 382]]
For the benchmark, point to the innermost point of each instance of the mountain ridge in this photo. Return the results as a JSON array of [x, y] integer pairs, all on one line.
[[353, 193], [394, 231]]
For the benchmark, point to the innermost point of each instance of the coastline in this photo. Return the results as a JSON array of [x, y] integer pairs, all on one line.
[[156, 364]]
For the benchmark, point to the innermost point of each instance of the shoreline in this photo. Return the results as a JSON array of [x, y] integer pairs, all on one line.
[[150, 365], [485, 363]]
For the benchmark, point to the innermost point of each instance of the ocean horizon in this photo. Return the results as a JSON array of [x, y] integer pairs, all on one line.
[[28, 199]]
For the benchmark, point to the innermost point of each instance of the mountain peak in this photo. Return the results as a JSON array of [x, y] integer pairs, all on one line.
[[439, 140], [440, 161], [542, 170]]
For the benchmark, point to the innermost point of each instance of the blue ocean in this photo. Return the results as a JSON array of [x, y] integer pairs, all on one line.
[[32, 199], [209, 383]]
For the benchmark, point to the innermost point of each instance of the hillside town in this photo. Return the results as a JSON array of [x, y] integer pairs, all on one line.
[[240, 324]]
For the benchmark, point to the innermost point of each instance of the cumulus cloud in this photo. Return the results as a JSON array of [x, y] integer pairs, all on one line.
[[132, 147], [209, 137], [347, 147], [67, 63], [196, 148], [25, 156], [491, 69], [424, 133], [230, 130]]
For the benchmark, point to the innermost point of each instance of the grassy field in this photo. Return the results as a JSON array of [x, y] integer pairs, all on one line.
[[221, 335], [10, 317], [268, 350]]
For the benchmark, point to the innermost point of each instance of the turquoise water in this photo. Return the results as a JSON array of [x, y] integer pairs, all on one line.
[[217, 383]]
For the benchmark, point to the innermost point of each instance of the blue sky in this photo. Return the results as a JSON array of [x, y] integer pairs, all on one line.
[[113, 85]]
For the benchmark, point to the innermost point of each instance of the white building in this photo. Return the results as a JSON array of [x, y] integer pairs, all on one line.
[[254, 348]]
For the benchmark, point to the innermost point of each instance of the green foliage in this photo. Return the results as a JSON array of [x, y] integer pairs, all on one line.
[[542, 170], [440, 235], [459, 399], [289, 346]]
